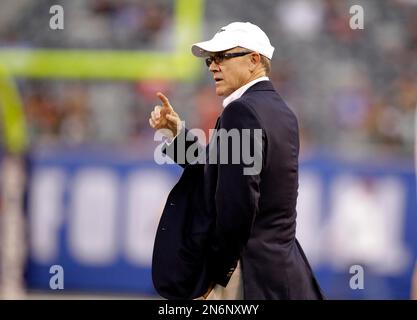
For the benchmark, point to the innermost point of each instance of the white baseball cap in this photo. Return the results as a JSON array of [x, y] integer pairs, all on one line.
[[236, 34]]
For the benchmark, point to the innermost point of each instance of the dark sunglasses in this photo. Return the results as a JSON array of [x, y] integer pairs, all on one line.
[[219, 57]]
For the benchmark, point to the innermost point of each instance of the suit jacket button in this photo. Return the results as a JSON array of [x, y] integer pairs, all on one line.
[[172, 204]]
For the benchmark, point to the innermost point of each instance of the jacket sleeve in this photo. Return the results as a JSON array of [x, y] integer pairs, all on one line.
[[238, 187], [184, 149]]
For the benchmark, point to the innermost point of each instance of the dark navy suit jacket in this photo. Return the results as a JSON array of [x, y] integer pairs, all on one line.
[[215, 215]]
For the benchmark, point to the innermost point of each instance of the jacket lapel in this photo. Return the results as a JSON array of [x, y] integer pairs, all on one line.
[[260, 86]]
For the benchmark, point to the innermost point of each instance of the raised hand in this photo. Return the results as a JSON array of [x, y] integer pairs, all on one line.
[[164, 117]]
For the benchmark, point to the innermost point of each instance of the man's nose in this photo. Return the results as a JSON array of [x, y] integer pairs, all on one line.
[[213, 66]]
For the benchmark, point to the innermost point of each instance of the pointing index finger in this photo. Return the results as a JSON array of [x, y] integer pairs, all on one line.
[[164, 100]]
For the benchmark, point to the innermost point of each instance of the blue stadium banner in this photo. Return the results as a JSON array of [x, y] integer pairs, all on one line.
[[95, 215]]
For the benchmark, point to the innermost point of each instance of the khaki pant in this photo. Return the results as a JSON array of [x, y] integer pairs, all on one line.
[[233, 290]]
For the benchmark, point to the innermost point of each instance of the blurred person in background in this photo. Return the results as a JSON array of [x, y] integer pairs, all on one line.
[[251, 250]]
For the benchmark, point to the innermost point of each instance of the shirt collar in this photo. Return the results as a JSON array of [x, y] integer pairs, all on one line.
[[239, 92]]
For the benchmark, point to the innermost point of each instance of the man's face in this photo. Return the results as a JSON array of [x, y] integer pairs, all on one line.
[[231, 74]]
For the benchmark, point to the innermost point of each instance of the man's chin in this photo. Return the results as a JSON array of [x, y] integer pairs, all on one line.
[[220, 92]]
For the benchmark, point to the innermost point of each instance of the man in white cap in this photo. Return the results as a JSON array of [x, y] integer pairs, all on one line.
[[242, 240]]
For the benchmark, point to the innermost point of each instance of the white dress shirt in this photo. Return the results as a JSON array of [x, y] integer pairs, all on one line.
[[239, 92]]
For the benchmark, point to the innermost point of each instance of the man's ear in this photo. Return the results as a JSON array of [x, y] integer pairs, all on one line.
[[255, 59]]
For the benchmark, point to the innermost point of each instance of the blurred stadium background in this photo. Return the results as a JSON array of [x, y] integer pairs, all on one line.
[[79, 186]]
